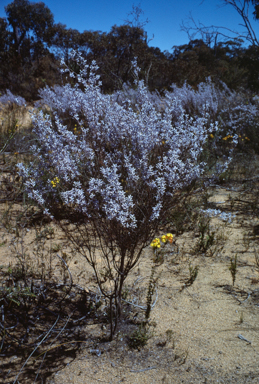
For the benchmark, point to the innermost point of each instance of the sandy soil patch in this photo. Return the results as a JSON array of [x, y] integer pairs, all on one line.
[[203, 333]]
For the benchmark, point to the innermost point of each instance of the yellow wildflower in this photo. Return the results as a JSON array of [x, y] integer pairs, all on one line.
[[55, 182], [228, 137], [155, 243], [163, 239], [169, 237]]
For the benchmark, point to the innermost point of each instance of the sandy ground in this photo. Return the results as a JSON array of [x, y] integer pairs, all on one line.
[[21, 114], [204, 333]]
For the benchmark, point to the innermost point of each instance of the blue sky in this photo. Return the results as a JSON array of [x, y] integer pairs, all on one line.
[[165, 16]]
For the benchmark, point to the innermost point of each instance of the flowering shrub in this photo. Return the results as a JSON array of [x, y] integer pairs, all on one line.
[[120, 175], [9, 98], [231, 109], [236, 113]]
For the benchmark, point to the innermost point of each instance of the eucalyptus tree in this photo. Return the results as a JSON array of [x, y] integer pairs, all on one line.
[[31, 21]]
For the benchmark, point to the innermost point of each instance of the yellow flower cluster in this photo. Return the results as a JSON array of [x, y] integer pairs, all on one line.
[[169, 237], [156, 243], [55, 182], [76, 132], [230, 137], [211, 136], [165, 238], [246, 138], [227, 137]]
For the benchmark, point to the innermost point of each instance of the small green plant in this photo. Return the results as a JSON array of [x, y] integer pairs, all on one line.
[[206, 236], [55, 248], [15, 295], [169, 336], [139, 338], [193, 275], [233, 269]]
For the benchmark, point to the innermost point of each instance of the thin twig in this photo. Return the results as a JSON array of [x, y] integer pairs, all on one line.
[[50, 346], [35, 350], [244, 339], [81, 318], [141, 306], [134, 305]]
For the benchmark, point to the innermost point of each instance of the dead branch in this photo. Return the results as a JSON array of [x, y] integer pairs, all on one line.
[[212, 32]]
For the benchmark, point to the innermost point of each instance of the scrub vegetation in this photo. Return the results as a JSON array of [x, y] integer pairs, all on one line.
[[104, 173]]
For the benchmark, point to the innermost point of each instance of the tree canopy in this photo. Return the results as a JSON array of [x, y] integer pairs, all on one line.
[[31, 46]]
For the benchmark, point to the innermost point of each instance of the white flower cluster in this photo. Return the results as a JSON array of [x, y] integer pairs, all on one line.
[[9, 98], [218, 213], [124, 161]]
